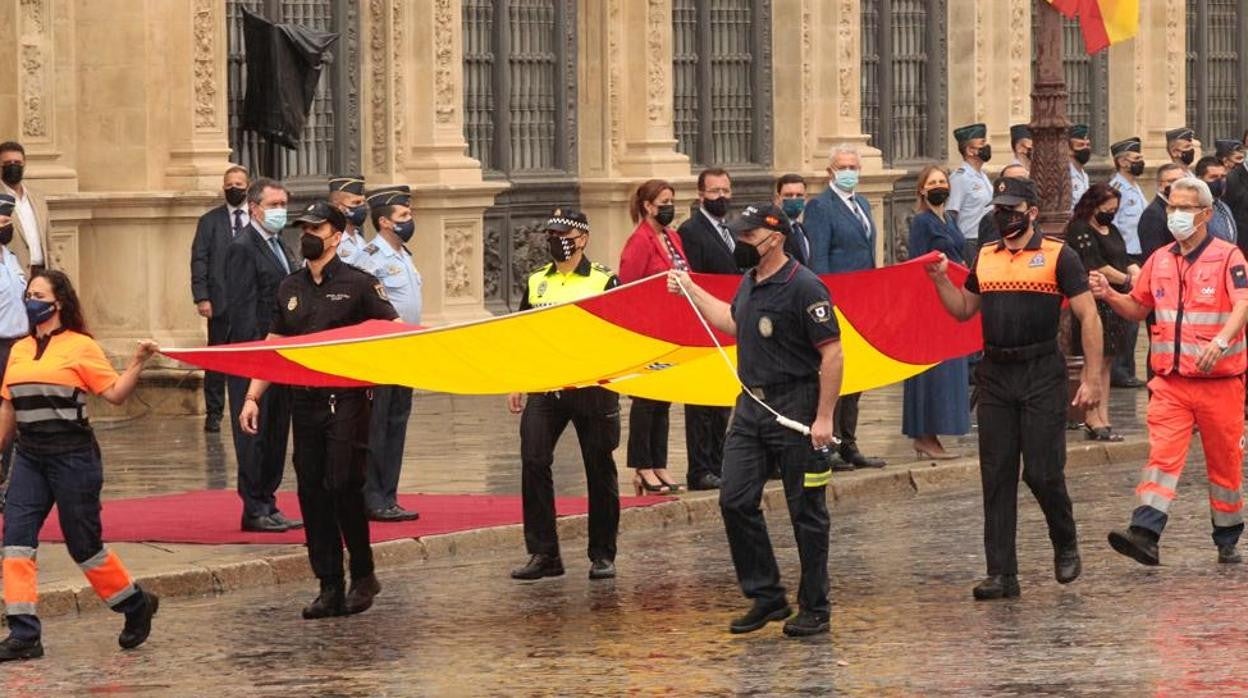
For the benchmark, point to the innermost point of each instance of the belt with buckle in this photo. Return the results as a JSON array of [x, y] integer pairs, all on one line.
[[1017, 355]]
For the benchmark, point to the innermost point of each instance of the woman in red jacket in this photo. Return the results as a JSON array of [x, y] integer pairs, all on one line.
[[653, 248]]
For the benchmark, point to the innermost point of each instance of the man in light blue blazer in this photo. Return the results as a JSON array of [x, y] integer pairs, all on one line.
[[842, 238]]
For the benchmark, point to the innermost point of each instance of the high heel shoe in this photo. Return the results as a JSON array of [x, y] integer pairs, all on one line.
[[640, 486], [672, 487], [924, 453]]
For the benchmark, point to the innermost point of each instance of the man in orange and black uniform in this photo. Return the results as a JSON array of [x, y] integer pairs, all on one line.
[[1019, 282]]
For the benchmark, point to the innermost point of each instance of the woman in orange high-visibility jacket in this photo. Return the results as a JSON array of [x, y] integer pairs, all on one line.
[[58, 462]]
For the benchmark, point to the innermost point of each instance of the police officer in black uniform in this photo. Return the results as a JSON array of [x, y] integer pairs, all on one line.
[[789, 356], [594, 412], [330, 425], [1019, 283]]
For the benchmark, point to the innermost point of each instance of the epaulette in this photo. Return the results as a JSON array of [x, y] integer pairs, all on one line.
[[1115, 185], [601, 267], [371, 249]]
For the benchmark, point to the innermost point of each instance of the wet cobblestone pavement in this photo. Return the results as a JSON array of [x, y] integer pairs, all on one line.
[[903, 622]]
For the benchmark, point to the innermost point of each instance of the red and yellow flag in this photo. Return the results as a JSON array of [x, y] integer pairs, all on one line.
[[638, 340], [1103, 22]]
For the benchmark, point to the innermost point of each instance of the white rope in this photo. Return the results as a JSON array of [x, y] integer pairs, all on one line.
[[781, 419]]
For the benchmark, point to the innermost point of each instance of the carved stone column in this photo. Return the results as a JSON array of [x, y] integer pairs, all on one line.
[[199, 147], [40, 50], [1050, 123], [1148, 82]]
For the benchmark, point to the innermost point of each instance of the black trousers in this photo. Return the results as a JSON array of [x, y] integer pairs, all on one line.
[[331, 454], [387, 434], [1022, 414], [261, 458], [845, 423], [595, 414], [705, 429], [214, 383], [647, 433], [6, 458], [754, 441]]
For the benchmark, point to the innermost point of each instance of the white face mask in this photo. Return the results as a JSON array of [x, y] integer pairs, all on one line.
[[1181, 224]]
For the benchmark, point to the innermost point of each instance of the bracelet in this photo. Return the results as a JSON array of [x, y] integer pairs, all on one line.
[[253, 398]]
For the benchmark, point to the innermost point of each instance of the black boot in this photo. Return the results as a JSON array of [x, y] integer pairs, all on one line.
[[139, 623], [1136, 543], [12, 649], [1228, 555], [1066, 565], [360, 598], [806, 623], [331, 602], [602, 569], [997, 586], [539, 566], [760, 614]]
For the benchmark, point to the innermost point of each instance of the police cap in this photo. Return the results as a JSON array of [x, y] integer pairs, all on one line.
[[970, 132], [319, 212], [1182, 133], [1224, 148], [396, 195], [1018, 132], [756, 216], [1127, 145], [351, 184], [1078, 131], [1012, 191], [564, 219], [6, 205]]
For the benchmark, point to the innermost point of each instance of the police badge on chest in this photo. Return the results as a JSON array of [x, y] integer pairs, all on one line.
[[765, 327]]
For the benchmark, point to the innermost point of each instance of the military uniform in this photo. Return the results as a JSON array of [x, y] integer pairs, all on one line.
[[970, 190], [330, 425], [14, 324], [1079, 182], [352, 245], [1130, 207]]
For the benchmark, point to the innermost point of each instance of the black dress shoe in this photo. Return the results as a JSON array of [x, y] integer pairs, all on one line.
[[806, 623], [1228, 555], [360, 598], [1131, 382], [263, 524], [1137, 544], [392, 513], [329, 603], [602, 569], [706, 481], [759, 615], [1066, 565], [839, 465], [997, 586], [139, 623], [856, 459], [13, 649], [539, 566], [212, 425], [285, 520]]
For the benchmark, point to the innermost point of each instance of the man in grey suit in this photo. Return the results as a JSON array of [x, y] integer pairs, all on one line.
[[213, 234], [842, 239]]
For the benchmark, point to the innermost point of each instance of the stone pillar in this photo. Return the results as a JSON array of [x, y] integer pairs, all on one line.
[[199, 147], [413, 133], [1148, 82]]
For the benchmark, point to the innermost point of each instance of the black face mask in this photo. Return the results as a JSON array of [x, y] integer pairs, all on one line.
[[311, 247], [666, 214], [1217, 188], [1083, 155], [984, 153], [6, 234], [12, 173], [746, 255], [937, 197], [561, 249], [235, 196], [1010, 223], [1105, 217], [1165, 192], [1187, 156], [716, 207], [1137, 168], [357, 215]]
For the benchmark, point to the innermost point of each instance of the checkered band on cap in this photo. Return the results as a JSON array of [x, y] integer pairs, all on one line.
[[569, 222]]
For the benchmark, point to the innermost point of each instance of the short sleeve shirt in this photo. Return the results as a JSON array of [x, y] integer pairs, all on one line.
[[346, 296], [782, 322]]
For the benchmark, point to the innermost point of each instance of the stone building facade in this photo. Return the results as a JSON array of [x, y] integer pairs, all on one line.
[[494, 111]]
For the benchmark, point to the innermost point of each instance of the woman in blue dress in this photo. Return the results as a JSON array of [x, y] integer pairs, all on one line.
[[936, 402]]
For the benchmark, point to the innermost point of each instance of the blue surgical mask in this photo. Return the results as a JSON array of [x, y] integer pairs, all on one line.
[[38, 311], [1182, 224], [405, 230], [357, 215], [274, 220], [846, 180], [793, 207]]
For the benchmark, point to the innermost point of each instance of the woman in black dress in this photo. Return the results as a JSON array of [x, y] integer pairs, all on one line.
[[1091, 233]]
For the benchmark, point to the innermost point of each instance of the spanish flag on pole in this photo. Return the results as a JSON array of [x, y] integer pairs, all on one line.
[[1103, 22]]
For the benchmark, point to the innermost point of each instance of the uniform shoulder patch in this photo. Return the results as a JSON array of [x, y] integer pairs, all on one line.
[[820, 312], [381, 292], [1239, 276], [372, 248], [601, 267]]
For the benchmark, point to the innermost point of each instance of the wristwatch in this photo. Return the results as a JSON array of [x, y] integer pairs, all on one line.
[[1222, 344]]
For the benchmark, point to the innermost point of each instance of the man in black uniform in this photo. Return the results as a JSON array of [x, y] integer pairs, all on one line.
[[330, 425], [594, 413], [1019, 282], [789, 356]]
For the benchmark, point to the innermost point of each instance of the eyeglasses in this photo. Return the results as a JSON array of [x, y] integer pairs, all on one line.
[[721, 191], [1186, 209]]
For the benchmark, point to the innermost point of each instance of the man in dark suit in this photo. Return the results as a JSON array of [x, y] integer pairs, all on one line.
[[1153, 230], [256, 262], [1236, 197], [708, 250], [213, 234], [790, 197], [842, 239]]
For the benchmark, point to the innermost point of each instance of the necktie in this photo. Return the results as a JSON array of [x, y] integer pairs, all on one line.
[[281, 255], [727, 236], [238, 222], [801, 236], [862, 217]]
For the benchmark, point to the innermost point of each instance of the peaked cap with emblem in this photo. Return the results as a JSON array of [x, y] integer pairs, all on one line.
[[1018, 132], [1013, 191], [970, 132], [1078, 131], [6, 205], [395, 195], [1127, 145], [756, 216], [351, 184], [564, 219], [1224, 147], [1182, 133]]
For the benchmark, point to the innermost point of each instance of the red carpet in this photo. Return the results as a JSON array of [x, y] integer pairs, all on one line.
[[212, 517]]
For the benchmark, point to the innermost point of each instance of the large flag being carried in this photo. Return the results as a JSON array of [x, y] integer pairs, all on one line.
[[638, 339], [1103, 22]]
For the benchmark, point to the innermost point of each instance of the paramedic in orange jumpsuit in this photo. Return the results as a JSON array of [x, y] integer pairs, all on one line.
[[1198, 290]]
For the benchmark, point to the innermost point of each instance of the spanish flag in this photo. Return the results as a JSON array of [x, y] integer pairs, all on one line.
[[1103, 22]]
